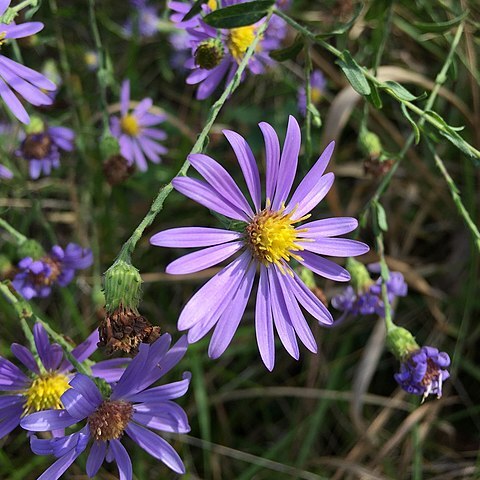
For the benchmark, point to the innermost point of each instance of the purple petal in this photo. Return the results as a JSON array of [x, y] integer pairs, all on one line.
[[7, 401], [272, 157], [87, 388], [13, 103], [110, 370], [205, 258], [4, 4], [211, 82], [168, 391], [231, 317], [25, 356], [77, 405], [281, 318], [288, 163], [139, 156], [336, 247], [205, 195], [264, 322], [55, 471], [209, 301], [329, 227], [11, 377], [23, 30], [154, 133], [165, 416], [248, 165], [324, 268], [36, 79], [47, 420], [123, 460], [96, 457], [156, 446], [220, 180], [11, 421], [82, 351], [143, 106], [50, 354], [125, 97], [186, 237]]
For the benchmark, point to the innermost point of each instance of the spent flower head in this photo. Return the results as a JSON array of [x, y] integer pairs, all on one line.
[[271, 238]]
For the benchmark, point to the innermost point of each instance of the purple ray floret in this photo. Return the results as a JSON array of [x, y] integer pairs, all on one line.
[[268, 237], [28, 83], [132, 408]]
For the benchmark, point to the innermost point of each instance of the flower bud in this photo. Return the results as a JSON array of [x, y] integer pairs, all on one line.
[[122, 286], [370, 144], [36, 125], [30, 248], [401, 342], [209, 54], [360, 277], [109, 146]]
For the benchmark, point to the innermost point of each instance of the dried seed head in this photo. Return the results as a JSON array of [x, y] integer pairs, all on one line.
[[37, 145], [110, 419], [116, 169]]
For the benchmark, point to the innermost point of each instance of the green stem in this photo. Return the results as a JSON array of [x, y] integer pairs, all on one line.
[[157, 205], [19, 238], [308, 113], [385, 277], [24, 4]]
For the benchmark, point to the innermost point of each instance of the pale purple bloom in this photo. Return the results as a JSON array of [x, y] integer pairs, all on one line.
[[25, 81], [135, 407], [318, 83], [42, 149], [228, 45], [27, 393], [424, 372], [5, 173], [266, 238], [145, 22], [136, 132], [368, 300], [36, 277]]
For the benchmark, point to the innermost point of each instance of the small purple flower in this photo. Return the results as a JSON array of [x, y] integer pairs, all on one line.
[[145, 22], [267, 238], [25, 81], [5, 173], [42, 149], [137, 136], [36, 278], [317, 87], [217, 53], [132, 408], [45, 383], [368, 299], [423, 372]]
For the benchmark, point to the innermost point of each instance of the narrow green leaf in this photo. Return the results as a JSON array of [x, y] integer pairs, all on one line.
[[440, 27], [381, 217], [399, 91], [195, 10], [414, 126], [239, 15], [354, 74], [290, 52], [374, 97]]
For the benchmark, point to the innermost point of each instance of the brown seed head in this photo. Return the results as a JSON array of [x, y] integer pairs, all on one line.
[[116, 169], [110, 419], [37, 145]]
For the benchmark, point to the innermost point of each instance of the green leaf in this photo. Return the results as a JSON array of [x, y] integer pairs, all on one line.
[[290, 52], [377, 10], [354, 74], [380, 216], [411, 121], [374, 97], [239, 15], [343, 27], [195, 10], [440, 27], [399, 91], [316, 118]]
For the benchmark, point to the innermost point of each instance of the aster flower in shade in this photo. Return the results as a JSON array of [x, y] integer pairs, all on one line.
[[365, 296], [423, 372], [132, 408], [46, 379], [318, 83], [145, 22], [136, 132], [268, 238], [217, 53], [5, 173], [35, 277], [30, 84], [42, 147]]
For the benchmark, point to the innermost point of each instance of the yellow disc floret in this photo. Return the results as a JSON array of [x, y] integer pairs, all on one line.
[[272, 237], [316, 95], [129, 125], [212, 4], [239, 39], [45, 392]]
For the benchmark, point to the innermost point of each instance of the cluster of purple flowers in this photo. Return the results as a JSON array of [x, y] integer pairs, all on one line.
[[36, 277], [144, 22], [367, 299]]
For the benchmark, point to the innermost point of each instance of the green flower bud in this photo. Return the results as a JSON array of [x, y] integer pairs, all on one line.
[[109, 146], [122, 287], [30, 248], [401, 342], [370, 144], [209, 54], [36, 125], [5, 265], [360, 276]]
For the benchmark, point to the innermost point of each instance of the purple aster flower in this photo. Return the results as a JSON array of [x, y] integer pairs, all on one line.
[[267, 238], [5, 173], [35, 278], [367, 299], [318, 83], [137, 136], [145, 21], [25, 81], [46, 381], [42, 148], [423, 372], [217, 53], [131, 408]]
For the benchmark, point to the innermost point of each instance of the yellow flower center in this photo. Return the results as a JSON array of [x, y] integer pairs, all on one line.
[[239, 39], [45, 392], [272, 237], [316, 95], [212, 4], [129, 125]]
